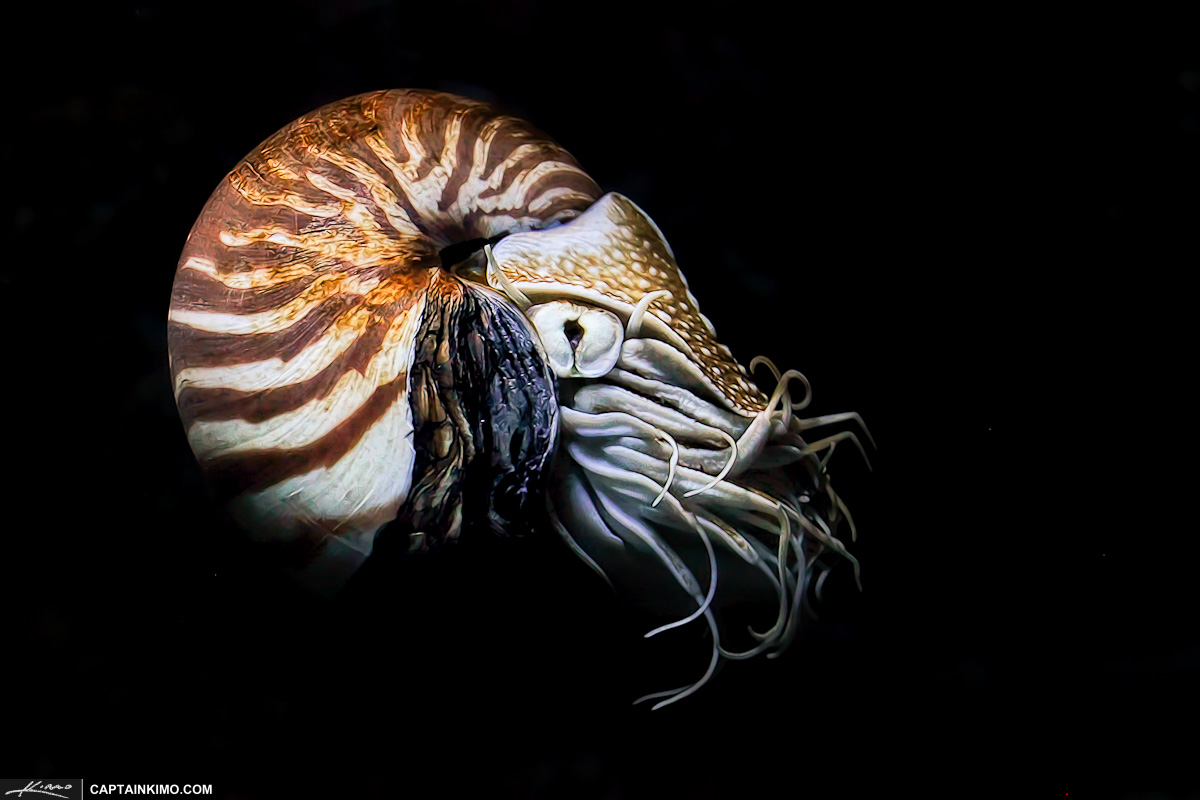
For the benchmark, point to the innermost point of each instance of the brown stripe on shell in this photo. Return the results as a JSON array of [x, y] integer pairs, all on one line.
[[506, 141], [248, 257], [192, 347], [526, 162], [463, 155], [427, 227], [277, 192], [195, 291], [208, 405], [562, 209], [577, 182], [344, 169], [204, 241], [255, 470], [273, 216], [423, 122]]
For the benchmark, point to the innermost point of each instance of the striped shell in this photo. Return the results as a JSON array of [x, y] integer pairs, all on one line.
[[300, 296], [338, 370]]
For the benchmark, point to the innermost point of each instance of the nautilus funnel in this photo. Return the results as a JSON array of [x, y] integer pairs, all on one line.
[[336, 375]]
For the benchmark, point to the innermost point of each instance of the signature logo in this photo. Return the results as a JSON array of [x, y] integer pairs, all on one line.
[[37, 787]]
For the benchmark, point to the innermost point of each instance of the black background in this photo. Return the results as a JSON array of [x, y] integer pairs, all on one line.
[[976, 230]]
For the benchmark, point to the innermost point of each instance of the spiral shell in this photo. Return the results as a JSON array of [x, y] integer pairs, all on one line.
[[300, 298], [336, 370]]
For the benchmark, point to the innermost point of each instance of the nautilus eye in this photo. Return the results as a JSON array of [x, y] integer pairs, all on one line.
[[408, 312], [580, 342]]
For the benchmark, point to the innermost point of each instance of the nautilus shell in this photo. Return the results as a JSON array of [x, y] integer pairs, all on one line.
[[409, 309]]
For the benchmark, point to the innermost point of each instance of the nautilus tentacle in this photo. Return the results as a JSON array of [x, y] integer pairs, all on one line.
[[409, 309]]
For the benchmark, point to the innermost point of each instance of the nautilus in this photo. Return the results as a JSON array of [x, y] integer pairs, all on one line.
[[410, 309]]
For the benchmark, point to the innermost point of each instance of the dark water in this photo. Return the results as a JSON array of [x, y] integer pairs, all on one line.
[[975, 231]]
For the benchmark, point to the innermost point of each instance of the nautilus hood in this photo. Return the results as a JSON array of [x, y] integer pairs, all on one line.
[[614, 256]]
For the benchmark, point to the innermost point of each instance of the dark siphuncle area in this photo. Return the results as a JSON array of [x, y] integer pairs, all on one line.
[[973, 226], [459, 252], [485, 419]]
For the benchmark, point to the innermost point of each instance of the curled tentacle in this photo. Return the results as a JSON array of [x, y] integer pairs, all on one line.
[[829, 419], [682, 692], [634, 326], [781, 565], [494, 273], [712, 588], [830, 441], [674, 462], [733, 456], [782, 378]]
